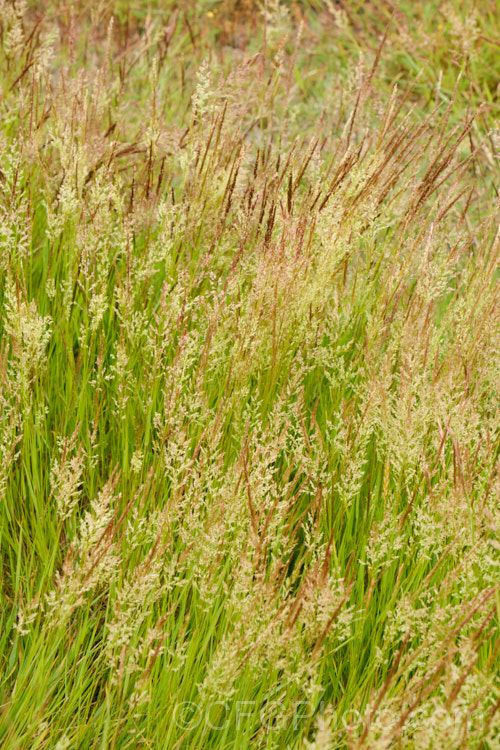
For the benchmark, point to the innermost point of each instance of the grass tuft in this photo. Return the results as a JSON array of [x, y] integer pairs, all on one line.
[[249, 367]]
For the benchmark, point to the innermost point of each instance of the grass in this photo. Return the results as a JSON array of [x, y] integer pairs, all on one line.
[[249, 357]]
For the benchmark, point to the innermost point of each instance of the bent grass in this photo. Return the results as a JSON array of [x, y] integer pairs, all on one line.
[[250, 362]]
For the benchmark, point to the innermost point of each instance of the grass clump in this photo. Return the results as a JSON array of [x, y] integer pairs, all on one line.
[[249, 358]]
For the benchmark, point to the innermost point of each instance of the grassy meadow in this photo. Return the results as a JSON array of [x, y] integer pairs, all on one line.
[[249, 374]]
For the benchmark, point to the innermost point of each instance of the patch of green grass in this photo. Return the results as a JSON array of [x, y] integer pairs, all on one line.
[[249, 366]]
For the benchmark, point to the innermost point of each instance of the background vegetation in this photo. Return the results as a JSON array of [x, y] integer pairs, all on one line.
[[249, 359]]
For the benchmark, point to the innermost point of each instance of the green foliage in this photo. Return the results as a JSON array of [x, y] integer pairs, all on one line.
[[249, 367]]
